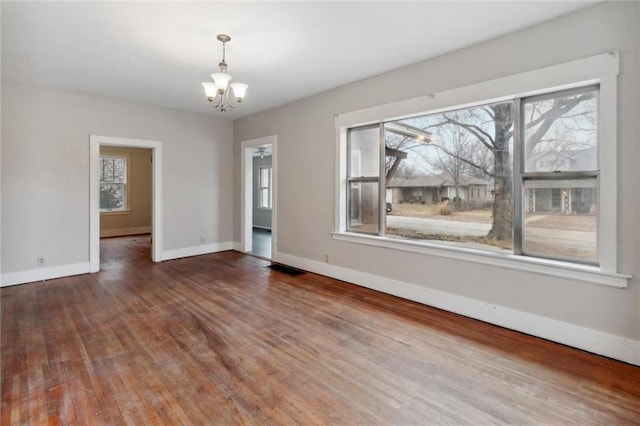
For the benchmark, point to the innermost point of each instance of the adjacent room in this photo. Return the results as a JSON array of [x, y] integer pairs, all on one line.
[[320, 212]]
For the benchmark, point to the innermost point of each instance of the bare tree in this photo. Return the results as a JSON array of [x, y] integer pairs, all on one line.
[[491, 128], [397, 147], [406, 171], [454, 144], [488, 130]]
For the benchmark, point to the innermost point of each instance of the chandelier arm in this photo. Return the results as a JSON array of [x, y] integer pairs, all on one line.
[[223, 103]]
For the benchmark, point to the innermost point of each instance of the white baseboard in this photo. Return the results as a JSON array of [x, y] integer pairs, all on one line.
[[40, 274], [197, 250], [119, 232], [236, 246], [22, 277], [590, 340]]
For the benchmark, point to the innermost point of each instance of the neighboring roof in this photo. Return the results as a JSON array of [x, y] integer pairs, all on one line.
[[435, 181], [578, 159], [420, 181], [470, 180]]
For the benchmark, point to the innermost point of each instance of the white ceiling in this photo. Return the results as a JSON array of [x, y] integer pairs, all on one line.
[[159, 53]]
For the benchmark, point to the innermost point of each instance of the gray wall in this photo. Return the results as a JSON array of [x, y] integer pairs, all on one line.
[[45, 173], [306, 149], [261, 217]]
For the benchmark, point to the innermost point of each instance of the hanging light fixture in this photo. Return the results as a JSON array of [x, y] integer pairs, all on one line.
[[218, 92]]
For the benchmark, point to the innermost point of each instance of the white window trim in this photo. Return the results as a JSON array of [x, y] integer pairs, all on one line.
[[601, 69], [127, 187]]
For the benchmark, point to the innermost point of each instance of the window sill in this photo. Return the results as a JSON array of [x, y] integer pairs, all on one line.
[[115, 212], [590, 274]]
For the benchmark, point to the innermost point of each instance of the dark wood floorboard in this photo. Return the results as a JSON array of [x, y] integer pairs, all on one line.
[[221, 339]]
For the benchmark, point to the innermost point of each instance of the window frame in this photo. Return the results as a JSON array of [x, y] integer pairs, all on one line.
[[520, 174], [268, 187], [599, 70], [364, 179], [126, 208]]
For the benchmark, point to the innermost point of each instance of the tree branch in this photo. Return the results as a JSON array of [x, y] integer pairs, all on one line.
[[476, 131], [467, 161], [559, 108]]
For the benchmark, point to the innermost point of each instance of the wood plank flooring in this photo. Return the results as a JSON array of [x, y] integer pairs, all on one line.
[[221, 339]]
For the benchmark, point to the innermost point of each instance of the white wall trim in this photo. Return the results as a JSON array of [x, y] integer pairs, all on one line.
[[602, 69], [40, 274], [554, 268], [617, 347], [95, 141], [197, 250], [555, 77], [118, 232]]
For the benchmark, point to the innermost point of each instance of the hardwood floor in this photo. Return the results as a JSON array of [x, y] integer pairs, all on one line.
[[221, 339]]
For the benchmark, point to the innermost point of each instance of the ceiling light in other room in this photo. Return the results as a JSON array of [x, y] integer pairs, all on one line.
[[218, 92]]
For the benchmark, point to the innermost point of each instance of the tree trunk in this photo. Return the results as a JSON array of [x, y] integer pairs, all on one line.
[[502, 226]]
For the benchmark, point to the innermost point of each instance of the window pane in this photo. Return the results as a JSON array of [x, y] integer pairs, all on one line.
[[560, 219], [265, 187], [561, 132], [450, 177], [265, 199], [112, 196], [264, 176], [113, 170], [364, 152], [363, 207]]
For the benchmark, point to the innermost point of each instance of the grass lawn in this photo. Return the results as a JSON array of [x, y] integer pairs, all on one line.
[[534, 220], [563, 245], [431, 211]]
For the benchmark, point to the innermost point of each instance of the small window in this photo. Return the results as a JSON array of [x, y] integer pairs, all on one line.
[[265, 201], [113, 183], [362, 179]]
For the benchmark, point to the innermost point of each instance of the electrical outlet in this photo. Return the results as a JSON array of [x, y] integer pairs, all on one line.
[[326, 258], [201, 240], [40, 261]]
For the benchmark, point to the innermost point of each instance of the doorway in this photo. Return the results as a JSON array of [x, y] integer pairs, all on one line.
[[96, 142], [258, 205], [125, 202]]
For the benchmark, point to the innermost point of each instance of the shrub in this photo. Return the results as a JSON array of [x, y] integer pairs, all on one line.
[[444, 209]]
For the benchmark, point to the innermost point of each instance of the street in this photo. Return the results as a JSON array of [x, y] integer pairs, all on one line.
[[439, 226]]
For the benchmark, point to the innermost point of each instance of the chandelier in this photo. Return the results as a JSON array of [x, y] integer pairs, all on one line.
[[218, 92]]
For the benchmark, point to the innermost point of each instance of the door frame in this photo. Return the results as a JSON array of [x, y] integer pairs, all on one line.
[[246, 184], [95, 142]]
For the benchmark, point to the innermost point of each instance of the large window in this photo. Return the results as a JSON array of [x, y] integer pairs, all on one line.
[[517, 176], [525, 180], [113, 183]]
